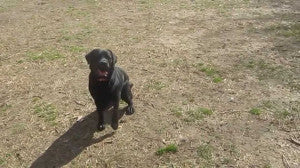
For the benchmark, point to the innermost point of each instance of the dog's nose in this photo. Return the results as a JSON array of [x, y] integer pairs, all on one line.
[[103, 62]]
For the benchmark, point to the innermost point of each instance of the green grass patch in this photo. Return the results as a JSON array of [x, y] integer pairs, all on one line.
[[177, 111], [197, 114], [20, 61], [266, 71], [67, 35], [282, 110], [77, 12], [283, 113], [209, 71], [6, 5], [5, 107], [267, 165], [205, 152], [75, 49], [155, 85], [217, 79], [227, 161], [205, 111], [178, 62], [255, 111], [146, 4], [4, 158], [2, 161], [220, 6], [48, 112], [46, 55], [286, 30], [170, 148], [18, 128], [194, 115]]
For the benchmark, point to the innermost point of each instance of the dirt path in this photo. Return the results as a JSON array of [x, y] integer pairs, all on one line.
[[218, 79]]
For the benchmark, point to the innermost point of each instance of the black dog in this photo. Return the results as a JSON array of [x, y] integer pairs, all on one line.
[[108, 84]]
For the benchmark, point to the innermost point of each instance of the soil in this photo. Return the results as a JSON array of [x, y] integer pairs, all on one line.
[[217, 79]]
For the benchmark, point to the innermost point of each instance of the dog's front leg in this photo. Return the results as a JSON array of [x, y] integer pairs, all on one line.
[[115, 115], [100, 125]]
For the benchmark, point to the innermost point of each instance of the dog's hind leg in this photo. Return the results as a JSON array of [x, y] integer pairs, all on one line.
[[126, 95]]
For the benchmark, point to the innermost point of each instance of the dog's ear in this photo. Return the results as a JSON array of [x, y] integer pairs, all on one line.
[[113, 56], [90, 55]]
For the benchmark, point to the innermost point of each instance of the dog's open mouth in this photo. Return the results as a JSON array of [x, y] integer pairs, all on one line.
[[102, 75]]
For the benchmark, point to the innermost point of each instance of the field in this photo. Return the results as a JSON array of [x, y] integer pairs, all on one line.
[[216, 83]]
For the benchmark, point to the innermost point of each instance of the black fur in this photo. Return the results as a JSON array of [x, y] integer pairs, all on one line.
[[107, 85]]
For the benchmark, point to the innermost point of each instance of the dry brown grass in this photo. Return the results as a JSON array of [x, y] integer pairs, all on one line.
[[227, 56]]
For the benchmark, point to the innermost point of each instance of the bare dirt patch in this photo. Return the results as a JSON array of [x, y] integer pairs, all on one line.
[[216, 83]]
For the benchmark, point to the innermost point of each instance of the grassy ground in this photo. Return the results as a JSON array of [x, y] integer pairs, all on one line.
[[216, 83]]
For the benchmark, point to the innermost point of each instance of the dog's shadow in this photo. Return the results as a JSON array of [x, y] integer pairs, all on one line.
[[73, 142]]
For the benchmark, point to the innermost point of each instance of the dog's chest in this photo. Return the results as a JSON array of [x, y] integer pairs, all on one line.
[[103, 91]]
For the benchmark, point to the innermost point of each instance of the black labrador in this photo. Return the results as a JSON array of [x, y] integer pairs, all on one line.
[[107, 85]]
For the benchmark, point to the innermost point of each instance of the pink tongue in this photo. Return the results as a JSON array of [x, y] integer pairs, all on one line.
[[102, 73]]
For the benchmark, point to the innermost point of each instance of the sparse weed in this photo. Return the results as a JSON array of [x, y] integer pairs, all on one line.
[[177, 111], [217, 79], [198, 65], [2, 161], [222, 7], [4, 158], [75, 49], [178, 62], [232, 149], [46, 55], [194, 115], [170, 148], [255, 111], [155, 85], [18, 128], [46, 111], [205, 111], [146, 4], [6, 5], [282, 114], [227, 161], [198, 114], [36, 99], [268, 104], [291, 30], [75, 12], [77, 36], [20, 61], [267, 165], [209, 71], [266, 71], [5, 107], [282, 110], [205, 151]]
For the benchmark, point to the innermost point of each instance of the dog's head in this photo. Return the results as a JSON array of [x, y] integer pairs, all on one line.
[[102, 63]]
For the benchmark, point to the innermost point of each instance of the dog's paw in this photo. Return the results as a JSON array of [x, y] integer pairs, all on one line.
[[100, 127], [130, 110], [114, 125]]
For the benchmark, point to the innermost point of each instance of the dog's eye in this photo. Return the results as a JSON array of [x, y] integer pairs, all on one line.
[[106, 57]]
